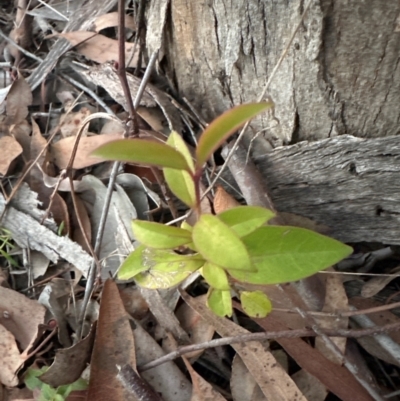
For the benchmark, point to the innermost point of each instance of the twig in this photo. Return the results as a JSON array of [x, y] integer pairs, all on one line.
[[89, 92], [31, 165], [352, 367], [21, 49], [107, 200], [350, 313], [121, 71], [353, 333], [261, 97]]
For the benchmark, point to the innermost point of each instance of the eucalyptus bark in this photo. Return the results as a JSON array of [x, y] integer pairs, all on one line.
[[340, 76]]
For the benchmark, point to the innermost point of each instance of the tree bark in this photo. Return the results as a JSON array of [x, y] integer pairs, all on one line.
[[341, 76]]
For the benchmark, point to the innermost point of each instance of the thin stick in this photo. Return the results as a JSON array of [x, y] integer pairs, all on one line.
[[261, 97], [355, 333], [121, 71], [99, 237]]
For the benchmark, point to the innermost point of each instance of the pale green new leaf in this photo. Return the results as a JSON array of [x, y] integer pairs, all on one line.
[[180, 182], [255, 303], [283, 254], [220, 302], [144, 152], [219, 245], [133, 264], [245, 219], [176, 141], [223, 127], [160, 236], [215, 276], [166, 269]]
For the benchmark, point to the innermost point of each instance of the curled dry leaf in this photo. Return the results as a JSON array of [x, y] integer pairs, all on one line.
[[223, 201], [98, 47], [243, 385], [274, 382], [51, 201], [18, 99], [61, 151], [111, 19], [335, 299], [202, 390], [70, 362], [166, 379], [114, 345], [198, 329], [19, 321], [378, 346], [10, 149], [105, 76], [72, 121]]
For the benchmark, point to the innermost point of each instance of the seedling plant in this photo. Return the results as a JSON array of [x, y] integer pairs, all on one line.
[[235, 245]]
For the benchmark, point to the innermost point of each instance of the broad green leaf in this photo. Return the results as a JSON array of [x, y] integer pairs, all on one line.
[[133, 264], [31, 378], [176, 141], [245, 219], [223, 127], [143, 152], [218, 244], [255, 303], [215, 276], [160, 236], [284, 254], [186, 226], [181, 184], [220, 302], [166, 269]]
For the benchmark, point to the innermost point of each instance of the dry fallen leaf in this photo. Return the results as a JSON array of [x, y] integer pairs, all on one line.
[[18, 99], [197, 328], [10, 149], [166, 379], [223, 201], [114, 345], [98, 47], [72, 121], [61, 151], [274, 382], [335, 377], [111, 19], [69, 363], [20, 318], [243, 385], [202, 390], [335, 300]]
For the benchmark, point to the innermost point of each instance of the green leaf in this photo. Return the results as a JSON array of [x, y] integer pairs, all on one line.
[[223, 127], [245, 219], [218, 244], [215, 276], [160, 236], [133, 264], [283, 254], [176, 141], [31, 378], [166, 269], [142, 152], [220, 302], [181, 184], [255, 303], [48, 393]]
